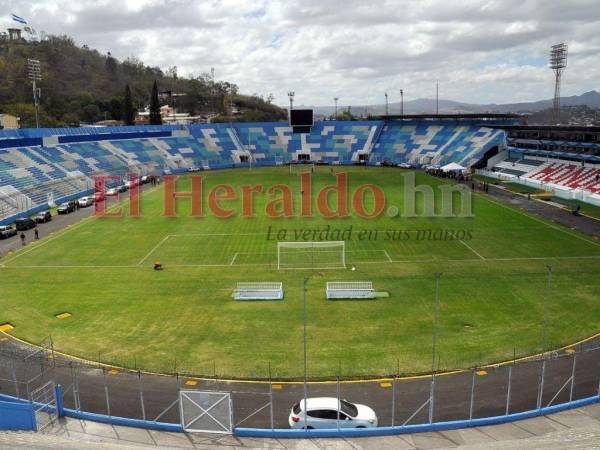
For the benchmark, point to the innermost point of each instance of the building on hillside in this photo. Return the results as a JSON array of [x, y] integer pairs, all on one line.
[[169, 115], [8, 121]]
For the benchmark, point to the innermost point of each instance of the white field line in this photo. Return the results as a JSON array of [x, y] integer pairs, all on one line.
[[162, 241], [397, 261], [539, 220], [471, 248], [233, 259], [58, 234], [387, 255]]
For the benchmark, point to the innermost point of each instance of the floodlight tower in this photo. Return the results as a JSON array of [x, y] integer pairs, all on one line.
[[558, 63], [291, 96], [335, 99], [387, 108], [402, 102], [34, 73]]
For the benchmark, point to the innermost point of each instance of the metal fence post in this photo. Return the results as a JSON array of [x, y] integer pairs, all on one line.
[[271, 397], [431, 397], [14, 376], [508, 390], [472, 394], [141, 388], [106, 392], [573, 377], [338, 401], [541, 385], [394, 400]]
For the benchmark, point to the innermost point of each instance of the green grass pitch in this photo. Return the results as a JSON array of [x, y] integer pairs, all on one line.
[[183, 318]]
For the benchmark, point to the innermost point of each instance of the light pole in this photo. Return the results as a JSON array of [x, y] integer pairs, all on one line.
[[35, 74], [335, 99], [387, 111], [402, 102], [436, 313], [291, 96], [546, 298], [305, 323], [558, 63]]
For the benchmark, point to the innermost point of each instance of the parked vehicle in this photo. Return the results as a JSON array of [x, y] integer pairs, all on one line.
[[329, 413], [123, 188], [112, 191], [43, 217], [66, 208], [24, 224], [84, 202], [7, 231]]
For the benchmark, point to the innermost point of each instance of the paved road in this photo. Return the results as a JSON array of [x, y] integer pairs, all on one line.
[[579, 428]]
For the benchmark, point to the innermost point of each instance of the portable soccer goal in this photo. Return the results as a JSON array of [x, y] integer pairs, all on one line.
[[258, 291], [301, 167], [350, 289], [311, 255]]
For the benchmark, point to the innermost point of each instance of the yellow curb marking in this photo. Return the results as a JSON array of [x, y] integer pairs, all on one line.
[[5, 327], [385, 384], [277, 386]]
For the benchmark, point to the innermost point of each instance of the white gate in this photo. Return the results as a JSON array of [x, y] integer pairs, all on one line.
[[206, 411], [44, 405]]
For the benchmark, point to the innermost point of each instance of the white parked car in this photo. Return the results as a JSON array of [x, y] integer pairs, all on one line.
[[112, 191], [85, 202], [327, 412]]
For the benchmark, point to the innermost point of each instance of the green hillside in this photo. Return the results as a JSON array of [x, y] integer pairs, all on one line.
[[82, 85]]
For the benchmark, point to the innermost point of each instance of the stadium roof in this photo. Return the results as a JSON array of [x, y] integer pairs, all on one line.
[[450, 116]]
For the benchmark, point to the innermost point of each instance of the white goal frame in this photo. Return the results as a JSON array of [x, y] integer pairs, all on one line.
[[308, 166], [258, 291], [312, 245], [350, 289]]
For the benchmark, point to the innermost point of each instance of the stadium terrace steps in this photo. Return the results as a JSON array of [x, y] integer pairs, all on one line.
[[573, 176], [436, 143], [61, 166]]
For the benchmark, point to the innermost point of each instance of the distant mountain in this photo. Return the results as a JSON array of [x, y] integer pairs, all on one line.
[[428, 106]]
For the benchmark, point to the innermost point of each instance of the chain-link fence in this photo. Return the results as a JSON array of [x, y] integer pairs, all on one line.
[[513, 387]]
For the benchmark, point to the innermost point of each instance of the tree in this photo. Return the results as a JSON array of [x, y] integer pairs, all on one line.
[[128, 111], [155, 118]]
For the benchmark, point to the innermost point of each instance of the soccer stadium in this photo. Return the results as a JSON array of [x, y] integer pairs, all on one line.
[[183, 265]]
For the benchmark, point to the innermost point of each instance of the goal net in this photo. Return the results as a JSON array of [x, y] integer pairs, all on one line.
[[300, 167], [258, 291], [350, 289], [311, 255]]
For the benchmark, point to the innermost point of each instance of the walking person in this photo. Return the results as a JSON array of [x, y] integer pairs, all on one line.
[[36, 234], [22, 238]]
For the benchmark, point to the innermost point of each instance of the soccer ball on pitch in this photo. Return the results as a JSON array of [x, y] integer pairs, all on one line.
[[353, 268]]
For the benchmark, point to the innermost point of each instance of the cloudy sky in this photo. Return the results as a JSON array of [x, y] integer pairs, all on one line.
[[480, 51]]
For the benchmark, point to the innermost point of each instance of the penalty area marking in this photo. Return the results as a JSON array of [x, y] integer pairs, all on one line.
[[233, 259], [471, 248], [387, 255], [162, 241]]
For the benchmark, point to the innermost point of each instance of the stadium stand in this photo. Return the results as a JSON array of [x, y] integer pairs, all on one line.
[[46, 164], [328, 142], [435, 143]]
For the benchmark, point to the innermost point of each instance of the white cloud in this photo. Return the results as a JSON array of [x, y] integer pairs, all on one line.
[[480, 51]]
